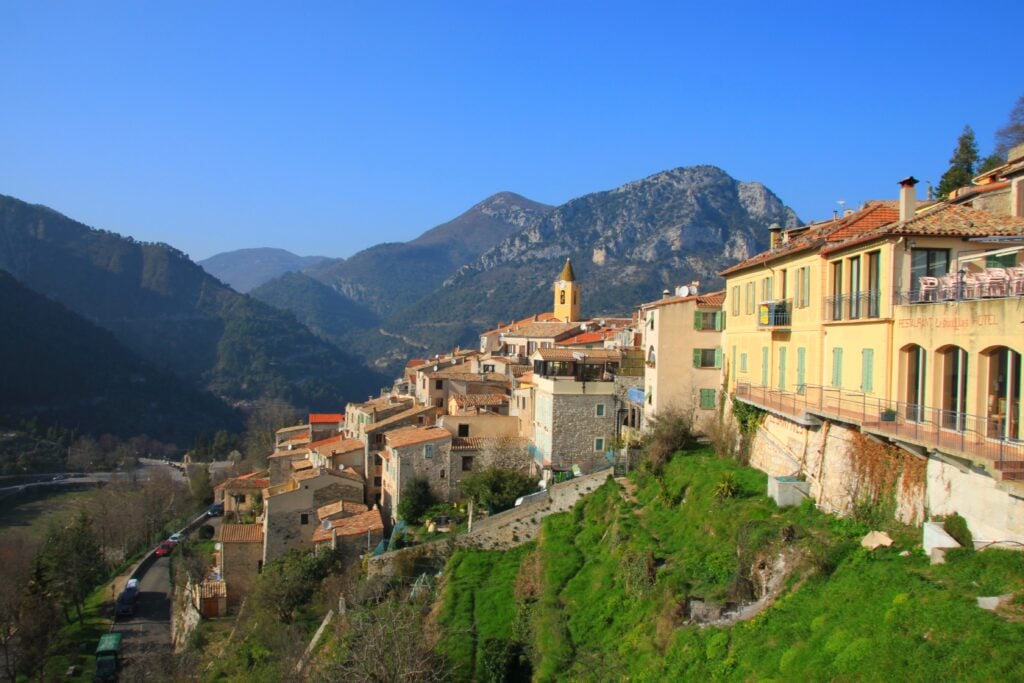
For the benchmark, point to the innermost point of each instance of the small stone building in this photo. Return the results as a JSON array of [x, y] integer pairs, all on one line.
[[241, 558]]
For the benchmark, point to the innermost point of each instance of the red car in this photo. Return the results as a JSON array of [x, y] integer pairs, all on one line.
[[164, 548]]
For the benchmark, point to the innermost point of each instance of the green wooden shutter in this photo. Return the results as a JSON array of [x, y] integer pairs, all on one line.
[[743, 362], [696, 320], [782, 367], [764, 366], [718, 357], [707, 399], [720, 321], [867, 377], [801, 360], [696, 358], [732, 364], [837, 367]]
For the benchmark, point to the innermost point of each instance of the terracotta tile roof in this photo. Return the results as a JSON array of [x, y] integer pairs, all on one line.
[[381, 403], [337, 444], [342, 507], [461, 373], [520, 370], [588, 337], [294, 441], [241, 533], [321, 418], [294, 454], [870, 217], [405, 414], [478, 400], [313, 473], [356, 525], [292, 429], [300, 464], [416, 362], [247, 482], [592, 355], [944, 220], [539, 317], [467, 443], [411, 436], [211, 588], [545, 330], [712, 300]]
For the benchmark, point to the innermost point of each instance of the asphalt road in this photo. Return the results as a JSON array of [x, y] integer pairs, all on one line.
[[149, 631]]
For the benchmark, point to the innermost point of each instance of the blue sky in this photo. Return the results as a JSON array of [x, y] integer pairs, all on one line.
[[328, 128]]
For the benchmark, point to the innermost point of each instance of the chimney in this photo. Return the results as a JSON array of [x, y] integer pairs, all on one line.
[[908, 198], [774, 233], [694, 287], [666, 294]]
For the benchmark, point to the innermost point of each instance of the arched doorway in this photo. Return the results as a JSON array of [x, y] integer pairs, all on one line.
[[914, 368], [953, 366]]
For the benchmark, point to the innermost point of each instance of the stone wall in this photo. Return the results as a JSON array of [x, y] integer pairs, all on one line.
[[993, 510], [575, 425], [501, 531], [240, 564], [184, 616]]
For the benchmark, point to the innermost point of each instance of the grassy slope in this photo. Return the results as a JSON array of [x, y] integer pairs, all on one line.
[[603, 611]]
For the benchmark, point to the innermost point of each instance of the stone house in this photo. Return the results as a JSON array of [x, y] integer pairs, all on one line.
[[416, 452], [279, 464], [290, 509], [374, 439], [242, 495], [325, 425], [338, 452], [359, 532], [241, 558]]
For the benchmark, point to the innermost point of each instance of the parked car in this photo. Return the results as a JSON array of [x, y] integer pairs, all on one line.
[[126, 601], [215, 510], [165, 548], [175, 538]]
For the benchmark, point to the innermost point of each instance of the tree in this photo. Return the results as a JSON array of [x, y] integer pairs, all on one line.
[[71, 563], [416, 500], [287, 583], [497, 489], [1012, 134], [962, 164], [16, 553]]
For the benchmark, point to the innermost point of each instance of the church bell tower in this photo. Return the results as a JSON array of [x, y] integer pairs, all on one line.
[[567, 295]]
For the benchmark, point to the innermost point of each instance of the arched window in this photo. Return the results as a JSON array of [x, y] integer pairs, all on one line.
[[913, 370], [1002, 392], [953, 361], [561, 297]]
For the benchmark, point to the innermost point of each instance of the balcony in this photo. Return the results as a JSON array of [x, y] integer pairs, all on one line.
[[775, 315], [969, 436], [856, 306]]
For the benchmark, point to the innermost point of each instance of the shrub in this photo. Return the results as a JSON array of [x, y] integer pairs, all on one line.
[[727, 486], [956, 526], [671, 431], [416, 500]]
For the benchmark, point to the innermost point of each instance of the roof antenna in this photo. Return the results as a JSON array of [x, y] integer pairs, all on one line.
[[842, 204]]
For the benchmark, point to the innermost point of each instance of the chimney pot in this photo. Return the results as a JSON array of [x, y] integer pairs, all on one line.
[[773, 236]]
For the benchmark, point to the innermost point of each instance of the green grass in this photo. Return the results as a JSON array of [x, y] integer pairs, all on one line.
[[614, 576], [32, 513], [76, 642]]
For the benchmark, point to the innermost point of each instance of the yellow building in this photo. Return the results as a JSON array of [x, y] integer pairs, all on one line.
[[567, 295]]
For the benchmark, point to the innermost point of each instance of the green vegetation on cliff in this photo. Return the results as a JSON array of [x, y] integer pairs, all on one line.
[[631, 583]]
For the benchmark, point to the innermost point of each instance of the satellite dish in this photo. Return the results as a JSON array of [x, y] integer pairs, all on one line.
[[684, 291], [216, 546]]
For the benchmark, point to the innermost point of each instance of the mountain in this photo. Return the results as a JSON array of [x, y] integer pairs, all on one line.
[[389, 277], [626, 244], [247, 269], [61, 369], [171, 312]]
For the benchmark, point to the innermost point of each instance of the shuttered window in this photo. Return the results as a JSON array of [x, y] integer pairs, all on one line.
[[707, 399], [837, 367], [764, 366], [782, 367], [867, 370], [801, 368]]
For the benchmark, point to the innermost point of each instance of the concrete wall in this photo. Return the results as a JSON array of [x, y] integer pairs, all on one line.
[[992, 511], [486, 425]]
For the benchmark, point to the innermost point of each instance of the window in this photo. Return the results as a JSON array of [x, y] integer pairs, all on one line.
[[561, 297], [735, 300], [782, 277], [428, 451], [488, 367], [439, 384], [651, 357], [467, 463], [874, 283], [801, 370], [439, 403], [750, 298], [650, 320], [867, 370], [707, 399], [650, 395], [782, 367], [764, 366], [927, 263], [803, 287], [837, 290], [707, 320], [377, 460], [743, 362], [854, 287], [954, 388], [463, 430], [376, 482], [837, 367], [599, 410], [304, 518], [599, 445], [442, 474], [766, 289], [707, 358]]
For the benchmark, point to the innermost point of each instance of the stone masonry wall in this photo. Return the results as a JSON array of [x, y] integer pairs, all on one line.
[[501, 531], [575, 425]]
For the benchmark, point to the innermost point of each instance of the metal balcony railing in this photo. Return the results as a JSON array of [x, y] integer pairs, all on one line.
[[987, 438], [775, 314], [855, 306]]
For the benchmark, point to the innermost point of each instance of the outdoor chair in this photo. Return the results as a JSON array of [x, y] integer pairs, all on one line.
[[947, 287], [928, 288], [1016, 274], [998, 281]]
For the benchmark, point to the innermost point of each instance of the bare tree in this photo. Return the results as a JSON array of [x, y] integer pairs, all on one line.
[[16, 558]]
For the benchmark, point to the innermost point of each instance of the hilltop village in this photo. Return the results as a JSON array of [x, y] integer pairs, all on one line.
[[896, 325]]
